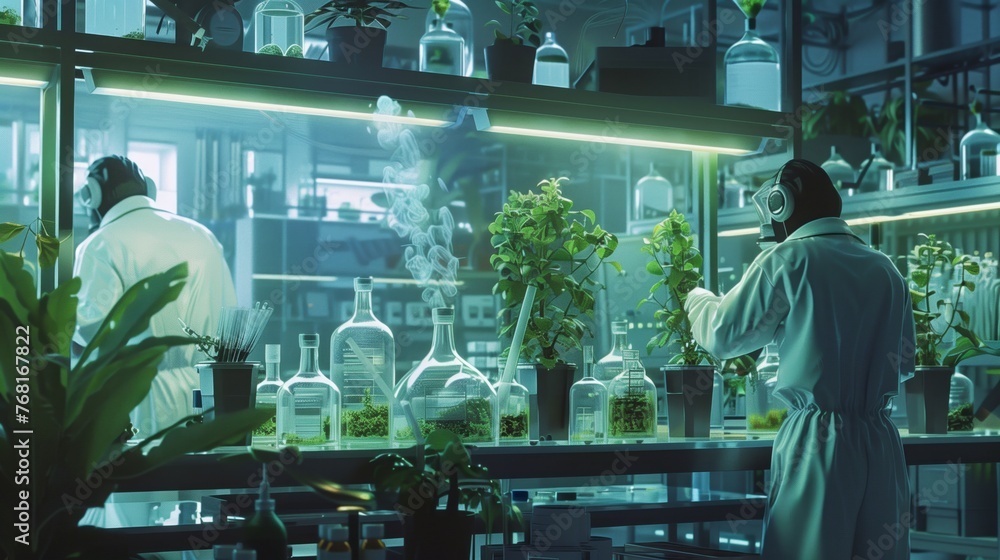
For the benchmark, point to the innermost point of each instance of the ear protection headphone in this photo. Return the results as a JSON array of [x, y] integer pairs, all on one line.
[[781, 199], [93, 194]]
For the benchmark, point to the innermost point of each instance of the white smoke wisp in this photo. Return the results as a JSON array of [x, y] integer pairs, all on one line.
[[428, 255]]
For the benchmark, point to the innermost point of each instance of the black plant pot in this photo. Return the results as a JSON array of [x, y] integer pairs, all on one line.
[[362, 46], [689, 399], [438, 535], [927, 395], [553, 399], [227, 388], [507, 62]]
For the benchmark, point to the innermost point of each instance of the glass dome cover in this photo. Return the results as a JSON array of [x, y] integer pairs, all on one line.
[[458, 18], [976, 148], [444, 391], [280, 23], [840, 172]]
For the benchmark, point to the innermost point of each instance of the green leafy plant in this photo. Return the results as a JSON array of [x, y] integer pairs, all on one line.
[[370, 421], [841, 113], [443, 468], [47, 245], [675, 262], [377, 13], [960, 418], [771, 421], [933, 255], [9, 16], [514, 425], [630, 414], [470, 420], [139, 35], [524, 27], [540, 240]]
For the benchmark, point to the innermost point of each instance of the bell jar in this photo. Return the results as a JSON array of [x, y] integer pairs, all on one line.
[[280, 23], [753, 72], [979, 151], [458, 18]]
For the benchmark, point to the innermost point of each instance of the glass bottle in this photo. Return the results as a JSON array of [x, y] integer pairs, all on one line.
[[365, 401], [878, 177], [588, 401], [613, 364], [267, 395], [632, 403], [280, 23], [840, 172], [515, 415], [458, 18], [753, 71], [551, 64], [654, 195], [442, 50], [960, 399], [116, 18], [309, 403], [334, 543], [978, 149], [718, 420], [372, 545], [444, 391], [765, 413]]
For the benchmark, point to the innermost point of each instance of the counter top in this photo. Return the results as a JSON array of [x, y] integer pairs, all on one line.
[[721, 452]]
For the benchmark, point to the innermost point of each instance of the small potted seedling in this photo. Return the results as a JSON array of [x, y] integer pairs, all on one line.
[[512, 55], [364, 42]]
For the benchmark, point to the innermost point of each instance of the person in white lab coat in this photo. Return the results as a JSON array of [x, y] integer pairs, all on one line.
[[131, 240], [840, 314]]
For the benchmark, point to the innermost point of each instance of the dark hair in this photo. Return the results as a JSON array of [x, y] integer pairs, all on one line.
[[815, 195], [119, 178]]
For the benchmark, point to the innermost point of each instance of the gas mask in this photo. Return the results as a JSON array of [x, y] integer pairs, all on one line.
[[767, 236]]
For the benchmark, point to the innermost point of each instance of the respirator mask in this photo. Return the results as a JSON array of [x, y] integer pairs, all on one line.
[[767, 237]]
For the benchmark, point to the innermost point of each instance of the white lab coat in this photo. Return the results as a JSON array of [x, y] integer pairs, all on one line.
[[840, 313], [134, 242]]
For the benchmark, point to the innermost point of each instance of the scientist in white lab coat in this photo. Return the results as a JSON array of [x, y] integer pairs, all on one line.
[[840, 314], [132, 240]]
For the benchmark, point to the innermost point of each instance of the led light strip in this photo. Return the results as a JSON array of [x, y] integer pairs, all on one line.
[[621, 140]]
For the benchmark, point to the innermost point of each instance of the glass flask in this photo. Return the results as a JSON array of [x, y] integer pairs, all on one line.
[[514, 413], [267, 395], [588, 401], [365, 384], [551, 64], [978, 150], [879, 174], [116, 18], [458, 18], [442, 50], [444, 391], [613, 364], [840, 172], [278, 22], [960, 399], [632, 403], [654, 195], [753, 71], [309, 403], [765, 412]]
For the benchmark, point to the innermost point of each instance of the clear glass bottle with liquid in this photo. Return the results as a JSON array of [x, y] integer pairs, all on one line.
[[515, 415], [840, 172], [588, 402], [458, 18], [632, 403], [267, 396], [372, 545], [280, 23], [765, 412], [363, 367], [551, 64], [753, 71], [979, 151], [444, 391], [116, 18], [442, 50], [309, 403], [613, 363]]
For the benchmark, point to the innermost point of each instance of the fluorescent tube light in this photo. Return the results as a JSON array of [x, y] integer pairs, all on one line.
[[294, 277], [620, 140], [22, 82], [20, 73]]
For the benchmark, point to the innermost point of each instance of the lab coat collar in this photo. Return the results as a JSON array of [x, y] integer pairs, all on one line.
[[128, 205], [823, 226]]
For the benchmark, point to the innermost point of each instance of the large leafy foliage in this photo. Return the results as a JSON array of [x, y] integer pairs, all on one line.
[[371, 13], [524, 26]]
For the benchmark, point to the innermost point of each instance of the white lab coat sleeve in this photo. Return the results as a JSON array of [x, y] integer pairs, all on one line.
[[744, 320], [101, 287]]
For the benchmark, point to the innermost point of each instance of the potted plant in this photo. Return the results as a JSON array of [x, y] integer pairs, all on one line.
[[9, 16], [675, 262], [927, 393], [364, 42], [442, 468], [540, 240], [511, 57]]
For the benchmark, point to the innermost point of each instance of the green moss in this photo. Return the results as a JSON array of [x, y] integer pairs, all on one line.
[[295, 51], [514, 426], [771, 422], [8, 16], [632, 415], [960, 418], [295, 439], [140, 35], [476, 425], [371, 421], [587, 437], [272, 49], [270, 427]]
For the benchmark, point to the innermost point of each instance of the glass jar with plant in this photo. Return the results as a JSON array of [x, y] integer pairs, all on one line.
[[364, 42], [675, 263], [938, 317], [512, 54], [632, 403], [540, 240]]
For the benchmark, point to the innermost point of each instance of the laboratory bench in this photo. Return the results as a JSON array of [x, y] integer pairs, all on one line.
[[588, 476]]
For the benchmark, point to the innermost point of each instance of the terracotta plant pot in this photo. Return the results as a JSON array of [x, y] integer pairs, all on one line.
[[689, 399], [438, 535], [507, 62], [362, 46], [927, 395]]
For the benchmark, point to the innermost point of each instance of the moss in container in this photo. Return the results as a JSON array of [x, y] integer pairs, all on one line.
[[514, 426], [474, 427], [272, 49], [371, 421], [322, 439], [632, 415], [8, 16], [270, 427], [960, 418], [769, 423], [140, 35]]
